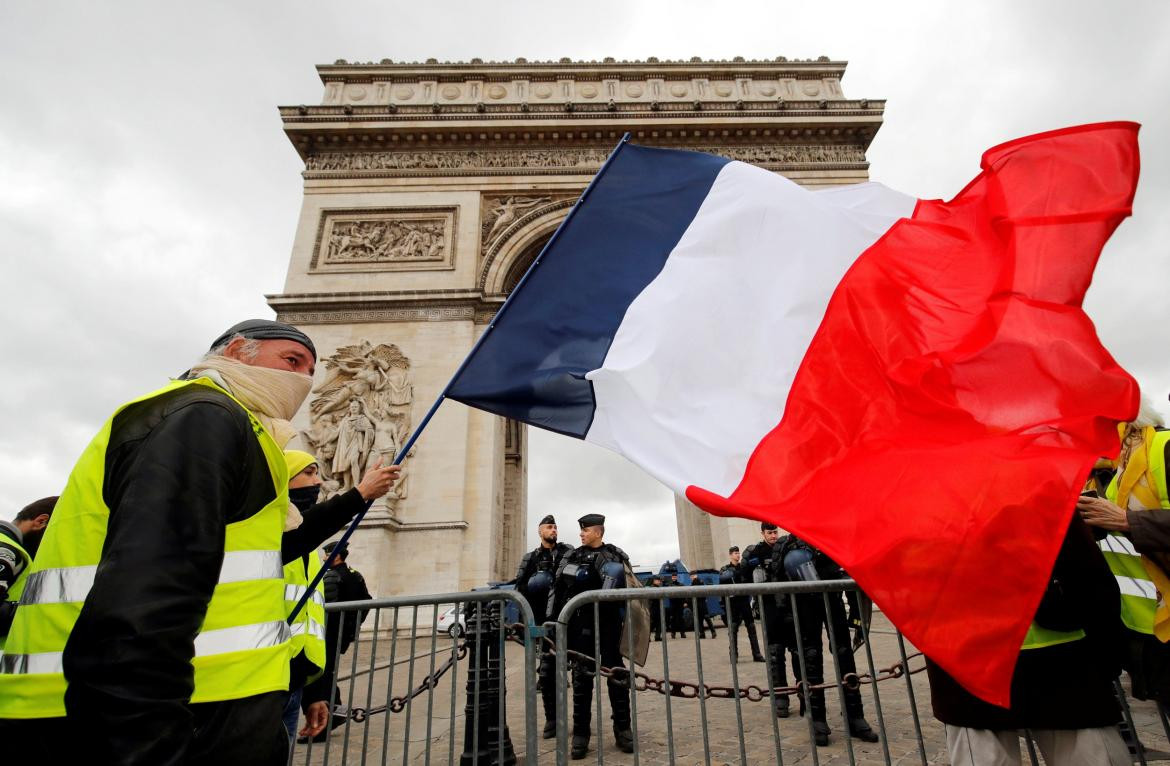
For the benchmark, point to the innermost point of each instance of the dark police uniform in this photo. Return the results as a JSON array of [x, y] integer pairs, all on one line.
[[804, 562], [584, 569], [534, 581], [741, 612], [759, 565]]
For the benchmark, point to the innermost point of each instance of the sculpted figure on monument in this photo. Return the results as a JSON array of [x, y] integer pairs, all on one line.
[[355, 440], [504, 211], [361, 413]]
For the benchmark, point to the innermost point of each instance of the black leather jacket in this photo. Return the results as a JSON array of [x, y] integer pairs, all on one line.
[[179, 468]]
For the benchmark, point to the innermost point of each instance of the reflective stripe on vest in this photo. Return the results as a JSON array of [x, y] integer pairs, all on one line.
[[1139, 597], [66, 584], [308, 629], [242, 646], [207, 644]]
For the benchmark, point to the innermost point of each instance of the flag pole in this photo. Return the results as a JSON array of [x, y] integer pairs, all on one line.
[[402, 453]]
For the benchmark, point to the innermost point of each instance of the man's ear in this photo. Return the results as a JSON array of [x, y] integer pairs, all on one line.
[[40, 522], [232, 349]]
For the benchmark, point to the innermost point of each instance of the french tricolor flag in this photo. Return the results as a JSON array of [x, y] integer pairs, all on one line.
[[911, 385]]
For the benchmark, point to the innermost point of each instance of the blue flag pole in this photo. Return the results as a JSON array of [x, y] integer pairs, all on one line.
[[463, 365]]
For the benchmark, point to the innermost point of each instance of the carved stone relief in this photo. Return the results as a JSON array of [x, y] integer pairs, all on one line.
[[501, 212], [454, 160], [584, 158], [360, 413], [389, 239]]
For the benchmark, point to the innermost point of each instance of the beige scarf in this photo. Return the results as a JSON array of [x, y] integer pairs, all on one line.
[[273, 396]]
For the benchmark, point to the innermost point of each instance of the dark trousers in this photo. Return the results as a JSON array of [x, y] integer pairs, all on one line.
[[675, 618], [655, 619], [584, 671], [743, 616], [813, 622], [247, 730], [777, 618], [546, 681]]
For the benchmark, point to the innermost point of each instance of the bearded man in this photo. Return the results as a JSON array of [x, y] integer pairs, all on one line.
[[151, 628]]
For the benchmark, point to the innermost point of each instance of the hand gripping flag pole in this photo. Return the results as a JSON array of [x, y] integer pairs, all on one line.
[[402, 453]]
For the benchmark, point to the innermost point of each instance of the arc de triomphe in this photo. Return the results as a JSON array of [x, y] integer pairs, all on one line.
[[428, 190]]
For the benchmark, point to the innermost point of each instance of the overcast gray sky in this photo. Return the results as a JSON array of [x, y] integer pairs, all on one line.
[[148, 197]]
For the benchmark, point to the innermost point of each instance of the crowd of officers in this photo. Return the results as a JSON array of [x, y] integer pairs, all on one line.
[[554, 572]]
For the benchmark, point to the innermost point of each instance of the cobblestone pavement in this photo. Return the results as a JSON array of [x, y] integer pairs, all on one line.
[[431, 729]]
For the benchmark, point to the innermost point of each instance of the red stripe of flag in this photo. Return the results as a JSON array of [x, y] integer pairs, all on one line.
[[954, 398]]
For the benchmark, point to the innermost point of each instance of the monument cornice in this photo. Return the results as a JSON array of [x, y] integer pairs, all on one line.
[[831, 124], [385, 306]]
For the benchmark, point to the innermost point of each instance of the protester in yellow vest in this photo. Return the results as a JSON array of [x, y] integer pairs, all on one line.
[[19, 540], [1062, 684], [1136, 514], [317, 523], [151, 629]]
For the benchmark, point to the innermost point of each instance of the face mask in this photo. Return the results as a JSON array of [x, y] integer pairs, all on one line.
[[304, 498]]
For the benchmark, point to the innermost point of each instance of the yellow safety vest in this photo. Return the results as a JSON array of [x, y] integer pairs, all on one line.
[[1140, 484], [1039, 637], [15, 589], [308, 629], [242, 647]]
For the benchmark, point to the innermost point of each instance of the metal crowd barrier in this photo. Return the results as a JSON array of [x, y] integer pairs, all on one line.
[[413, 694], [381, 726]]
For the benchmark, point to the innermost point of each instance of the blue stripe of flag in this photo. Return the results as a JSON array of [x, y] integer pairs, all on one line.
[[531, 366]]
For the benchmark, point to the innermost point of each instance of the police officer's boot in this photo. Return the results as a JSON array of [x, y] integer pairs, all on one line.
[[821, 732], [619, 704], [779, 678], [580, 746], [816, 711], [859, 728]]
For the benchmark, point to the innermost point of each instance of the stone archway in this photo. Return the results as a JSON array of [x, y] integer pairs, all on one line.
[[428, 191]]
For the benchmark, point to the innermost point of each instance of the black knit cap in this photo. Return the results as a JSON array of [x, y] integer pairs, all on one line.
[[548, 520], [266, 329]]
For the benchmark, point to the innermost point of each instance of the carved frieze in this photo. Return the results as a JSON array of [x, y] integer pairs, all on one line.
[[386, 239], [361, 413], [584, 159], [578, 157], [501, 214]]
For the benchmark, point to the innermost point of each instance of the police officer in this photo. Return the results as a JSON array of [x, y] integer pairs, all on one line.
[[655, 614], [804, 562], [595, 565], [741, 607], [534, 581], [676, 621], [18, 545], [759, 565]]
